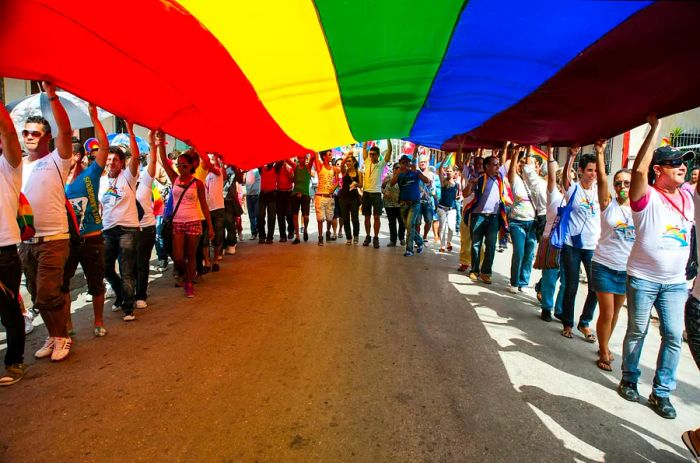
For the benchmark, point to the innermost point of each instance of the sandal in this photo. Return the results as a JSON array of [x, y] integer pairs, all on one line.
[[604, 365], [588, 336], [100, 331], [611, 358], [566, 332]]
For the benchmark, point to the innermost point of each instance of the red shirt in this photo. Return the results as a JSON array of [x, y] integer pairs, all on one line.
[[285, 180], [268, 179]]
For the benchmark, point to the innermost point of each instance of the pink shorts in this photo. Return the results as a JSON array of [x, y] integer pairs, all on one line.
[[187, 228]]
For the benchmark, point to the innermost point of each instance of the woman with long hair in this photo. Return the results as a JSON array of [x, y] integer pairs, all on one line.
[[349, 198], [609, 266], [188, 192]]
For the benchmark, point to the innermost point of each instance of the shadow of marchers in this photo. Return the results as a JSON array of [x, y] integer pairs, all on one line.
[[619, 439]]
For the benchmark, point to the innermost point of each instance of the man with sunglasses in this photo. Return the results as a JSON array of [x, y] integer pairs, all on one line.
[[44, 256], [663, 216], [10, 268]]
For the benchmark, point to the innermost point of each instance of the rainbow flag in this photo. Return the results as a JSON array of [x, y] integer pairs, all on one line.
[[319, 84], [535, 151]]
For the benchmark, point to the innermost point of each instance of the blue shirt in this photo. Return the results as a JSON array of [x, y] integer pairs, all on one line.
[[409, 186], [82, 194]]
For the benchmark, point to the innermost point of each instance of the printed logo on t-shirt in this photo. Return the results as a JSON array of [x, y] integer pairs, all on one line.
[[113, 191], [674, 237], [588, 207], [624, 232]]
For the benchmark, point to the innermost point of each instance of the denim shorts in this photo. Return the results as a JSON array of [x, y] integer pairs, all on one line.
[[606, 280]]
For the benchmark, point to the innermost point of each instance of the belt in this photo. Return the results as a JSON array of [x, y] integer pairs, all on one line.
[[486, 213], [324, 195], [445, 208], [43, 239]]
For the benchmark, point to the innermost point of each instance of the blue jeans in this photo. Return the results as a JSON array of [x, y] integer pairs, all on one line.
[[524, 242], [572, 259], [160, 247], [549, 280], [484, 228], [669, 300], [251, 203], [120, 244], [410, 213]]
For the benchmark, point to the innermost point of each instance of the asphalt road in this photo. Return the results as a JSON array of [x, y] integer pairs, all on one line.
[[333, 354]]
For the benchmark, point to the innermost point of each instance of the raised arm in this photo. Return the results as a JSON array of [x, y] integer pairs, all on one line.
[[389, 150], [134, 146], [317, 163], [152, 152], [513, 168], [101, 135], [504, 153], [566, 175], [552, 167], [603, 189], [167, 166], [64, 137], [10, 143], [364, 151], [640, 169]]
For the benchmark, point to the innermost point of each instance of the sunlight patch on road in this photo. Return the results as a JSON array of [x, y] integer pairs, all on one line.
[[570, 441]]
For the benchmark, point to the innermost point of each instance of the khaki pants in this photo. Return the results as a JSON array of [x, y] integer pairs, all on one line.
[[43, 266], [465, 242]]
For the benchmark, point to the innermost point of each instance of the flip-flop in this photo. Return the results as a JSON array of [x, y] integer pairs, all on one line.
[[588, 337], [566, 332], [604, 365], [611, 358]]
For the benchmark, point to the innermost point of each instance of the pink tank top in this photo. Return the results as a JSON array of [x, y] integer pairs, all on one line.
[[189, 206]]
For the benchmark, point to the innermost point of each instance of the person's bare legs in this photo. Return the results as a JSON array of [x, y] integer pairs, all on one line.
[[377, 223], [191, 243], [436, 232], [368, 224], [610, 305], [295, 219]]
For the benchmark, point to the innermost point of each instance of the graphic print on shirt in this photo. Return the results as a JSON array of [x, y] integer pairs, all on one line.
[[113, 192], [674, 237], [625, 231], [587, 205]]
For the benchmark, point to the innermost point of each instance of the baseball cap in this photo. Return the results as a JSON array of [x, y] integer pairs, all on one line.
[[405, 157], [669, 153]]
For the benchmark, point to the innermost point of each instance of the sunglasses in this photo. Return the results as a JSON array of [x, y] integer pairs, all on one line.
[[34, 133], [672, 163], [621, 183]]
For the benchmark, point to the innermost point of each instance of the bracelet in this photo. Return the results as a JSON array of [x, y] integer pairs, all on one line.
[[551, 160], [51, 98]]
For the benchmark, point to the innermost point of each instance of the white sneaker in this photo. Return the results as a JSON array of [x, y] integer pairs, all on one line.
[[28, 319], [110, 294], [527, 291], [231, 250], [129, 317], [220, 258], [141, 304], [513, 289], [46, 349], [61, 349]]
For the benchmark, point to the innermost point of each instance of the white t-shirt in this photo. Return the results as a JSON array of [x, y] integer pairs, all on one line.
[[118, 198], [10, 186], [373, 175], [585, 216], [44, 188], [616, 237], [522, 208], [215, 191], [538, 189], [144, 195], [662, 244], [554, 200]]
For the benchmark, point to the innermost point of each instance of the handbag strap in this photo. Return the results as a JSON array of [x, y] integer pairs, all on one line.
[[182, 195]]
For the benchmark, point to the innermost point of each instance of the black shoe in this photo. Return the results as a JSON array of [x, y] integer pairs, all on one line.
[[283, 239], [268, 241], [205, 269], [662, 406], [546, 315], [215, 268], [390, 245], [261, 241], [320, 241], [367, 241], [628, 391], [306, 236], [290, 235], [328, 236], [296, 241], [375, 242]]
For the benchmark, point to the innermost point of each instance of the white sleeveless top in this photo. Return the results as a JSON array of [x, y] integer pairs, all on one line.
[[189, 207], [617, 234], [662, 243]]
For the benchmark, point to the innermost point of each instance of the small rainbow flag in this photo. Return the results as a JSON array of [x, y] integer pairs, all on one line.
[[535, 151]]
